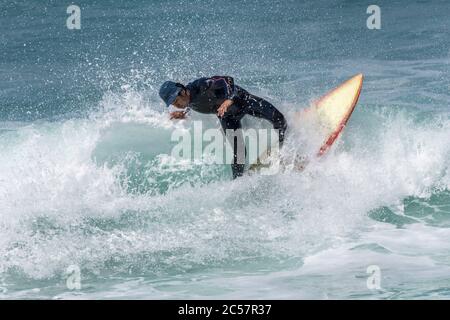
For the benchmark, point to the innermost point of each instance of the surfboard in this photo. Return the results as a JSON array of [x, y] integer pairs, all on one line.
[[331, 113]]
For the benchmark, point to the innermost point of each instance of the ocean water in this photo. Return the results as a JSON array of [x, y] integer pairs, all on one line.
[[85, 185]]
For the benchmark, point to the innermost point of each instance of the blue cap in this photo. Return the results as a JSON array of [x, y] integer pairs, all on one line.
[[169, 92]]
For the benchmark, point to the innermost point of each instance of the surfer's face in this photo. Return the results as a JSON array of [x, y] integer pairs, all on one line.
[[182, 101]]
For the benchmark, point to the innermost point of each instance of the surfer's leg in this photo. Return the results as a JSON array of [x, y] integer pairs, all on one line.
[[237, 143], [261, 108]]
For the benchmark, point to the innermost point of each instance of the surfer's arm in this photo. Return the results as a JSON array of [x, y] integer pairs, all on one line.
[[223, 87], [176, 113], [224, 107]]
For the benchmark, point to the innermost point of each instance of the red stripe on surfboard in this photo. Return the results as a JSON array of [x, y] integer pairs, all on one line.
[[332, 138]]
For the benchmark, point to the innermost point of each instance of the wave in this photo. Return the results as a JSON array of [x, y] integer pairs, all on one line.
[[96, 192]]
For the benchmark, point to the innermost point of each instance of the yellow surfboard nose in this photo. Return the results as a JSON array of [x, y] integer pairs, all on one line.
[[328, 115], [335, 108]]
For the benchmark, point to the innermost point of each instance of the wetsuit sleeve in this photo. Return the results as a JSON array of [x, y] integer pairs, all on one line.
[[222, 86], [199, 86]]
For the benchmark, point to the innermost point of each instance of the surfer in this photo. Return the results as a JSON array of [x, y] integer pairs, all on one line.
[[219, 95]]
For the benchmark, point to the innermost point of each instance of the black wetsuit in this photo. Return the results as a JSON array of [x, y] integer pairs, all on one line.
[[207, 94]]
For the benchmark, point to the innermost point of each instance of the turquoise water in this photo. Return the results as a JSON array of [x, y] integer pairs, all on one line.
[[84, 181]]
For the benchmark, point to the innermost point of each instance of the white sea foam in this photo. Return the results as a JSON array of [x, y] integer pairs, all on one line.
[[65, 197]]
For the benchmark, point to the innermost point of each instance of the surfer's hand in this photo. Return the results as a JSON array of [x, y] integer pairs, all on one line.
[[177, 115], [224, 107]]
